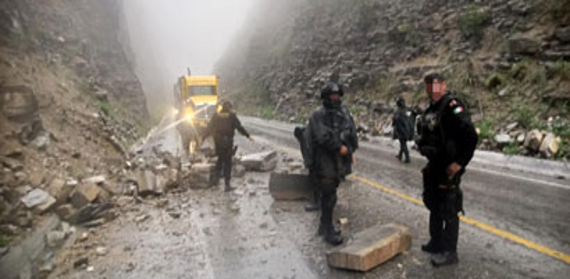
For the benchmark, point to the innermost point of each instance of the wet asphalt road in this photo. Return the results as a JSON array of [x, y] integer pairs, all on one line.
[[245, 234]]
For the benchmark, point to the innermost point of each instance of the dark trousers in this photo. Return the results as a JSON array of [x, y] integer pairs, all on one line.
[[328, 189], [404, 149], [224, 163], [444, 206]]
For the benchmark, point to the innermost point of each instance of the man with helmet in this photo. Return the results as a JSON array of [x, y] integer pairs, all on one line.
[[332, 139], [403, 128], [448, 140], [222, 127]]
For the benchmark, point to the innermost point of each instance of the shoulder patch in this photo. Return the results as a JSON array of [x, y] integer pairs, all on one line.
[[453, 103], [458, 110]]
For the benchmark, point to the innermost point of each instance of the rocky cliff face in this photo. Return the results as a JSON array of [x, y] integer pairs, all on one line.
[[70, 103], [508, 59]]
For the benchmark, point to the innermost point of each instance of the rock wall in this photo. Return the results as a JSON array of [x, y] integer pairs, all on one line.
[[503, 57], [70, 104]]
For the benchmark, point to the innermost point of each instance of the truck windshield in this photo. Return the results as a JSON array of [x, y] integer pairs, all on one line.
[[201, 90]]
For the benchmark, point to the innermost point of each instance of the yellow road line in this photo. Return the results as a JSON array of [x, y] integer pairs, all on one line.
[[488, 228]]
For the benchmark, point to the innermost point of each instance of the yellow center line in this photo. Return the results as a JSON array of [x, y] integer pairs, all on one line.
[[486, 227]]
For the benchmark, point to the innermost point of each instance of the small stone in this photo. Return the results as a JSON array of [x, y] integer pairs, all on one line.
[[101, 251], [343, 221], [99, 179], [84, 236], [55, 238], [141, 218], [81, 262], [502, 140]]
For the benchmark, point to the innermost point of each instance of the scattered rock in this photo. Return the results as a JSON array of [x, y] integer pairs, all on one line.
[[523, 45], [81, 262], [18, 102], [84, 194], [142, 218], [55, 238], [238, 171], [99, 179], [533, 140], [150, 183], [101, 251], [38, 200], [502, 140], [550, 145], [264, 161], [66, 211]]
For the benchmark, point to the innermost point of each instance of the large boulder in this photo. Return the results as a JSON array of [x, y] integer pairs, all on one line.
[[38, 200], [263, 161], [149, 183], [18, 102], [550, 145]]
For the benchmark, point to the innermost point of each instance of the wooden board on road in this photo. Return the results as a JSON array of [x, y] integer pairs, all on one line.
[[290, 187], [371, 247]]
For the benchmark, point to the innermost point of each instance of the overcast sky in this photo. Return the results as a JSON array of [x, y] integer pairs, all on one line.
[[169, 35]]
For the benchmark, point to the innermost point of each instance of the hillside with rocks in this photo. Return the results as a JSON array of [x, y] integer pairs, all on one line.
[[509, 60], [70, 107]]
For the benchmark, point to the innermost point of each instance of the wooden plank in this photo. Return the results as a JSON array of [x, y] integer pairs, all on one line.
[[371, 247]]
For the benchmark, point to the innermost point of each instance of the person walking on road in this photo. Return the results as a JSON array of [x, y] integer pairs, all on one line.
[[222, 127], [448, 139], [402, 123], [333, 140]]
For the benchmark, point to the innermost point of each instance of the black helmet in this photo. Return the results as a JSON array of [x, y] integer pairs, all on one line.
[[330, 89], [400, 102]]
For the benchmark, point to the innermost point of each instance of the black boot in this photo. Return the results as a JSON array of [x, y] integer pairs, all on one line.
[[228, 186], [445, 258], [432, 247], [407, 161], [323, 230], [333, 236], [314, 203]]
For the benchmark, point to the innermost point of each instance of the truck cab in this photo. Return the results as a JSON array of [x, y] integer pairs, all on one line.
[[197, 102]]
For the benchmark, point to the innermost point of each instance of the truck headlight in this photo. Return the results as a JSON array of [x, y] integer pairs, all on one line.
[[189, 117]]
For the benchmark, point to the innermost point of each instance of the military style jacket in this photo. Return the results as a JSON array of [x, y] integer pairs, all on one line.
[[328, 130], [222, 127], [446, 132]]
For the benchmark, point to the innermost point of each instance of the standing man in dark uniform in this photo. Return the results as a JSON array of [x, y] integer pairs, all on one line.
[[332, 139], [222, 127], [448, 140], [403, 128]]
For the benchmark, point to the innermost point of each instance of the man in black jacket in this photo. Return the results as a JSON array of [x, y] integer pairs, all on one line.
[[448, 139], [332, 139], [222, 127]]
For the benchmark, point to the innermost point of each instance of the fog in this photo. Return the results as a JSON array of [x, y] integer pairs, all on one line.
[[167, 36]]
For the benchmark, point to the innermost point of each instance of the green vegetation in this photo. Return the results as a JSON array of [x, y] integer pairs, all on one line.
[[562, 69], [367, 16], [472, 22], [486, 128], [266, 112], [529, 71], [512, 149], [4, 240], [527, 117], [105, 107], [496, 80]]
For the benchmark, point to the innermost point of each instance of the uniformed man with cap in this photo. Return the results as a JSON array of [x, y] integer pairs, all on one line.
[[222, 127], [448, 139]]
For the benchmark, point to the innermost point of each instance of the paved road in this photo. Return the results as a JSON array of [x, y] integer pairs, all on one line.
[[246, 234], [537, 209]]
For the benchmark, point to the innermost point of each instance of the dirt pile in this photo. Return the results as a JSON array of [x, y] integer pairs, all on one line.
[[70, 105]]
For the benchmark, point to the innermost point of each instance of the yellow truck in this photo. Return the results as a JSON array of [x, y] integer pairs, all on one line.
[[196, 100]]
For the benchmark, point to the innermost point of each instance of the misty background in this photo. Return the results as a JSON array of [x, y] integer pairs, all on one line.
[[170, 35]]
